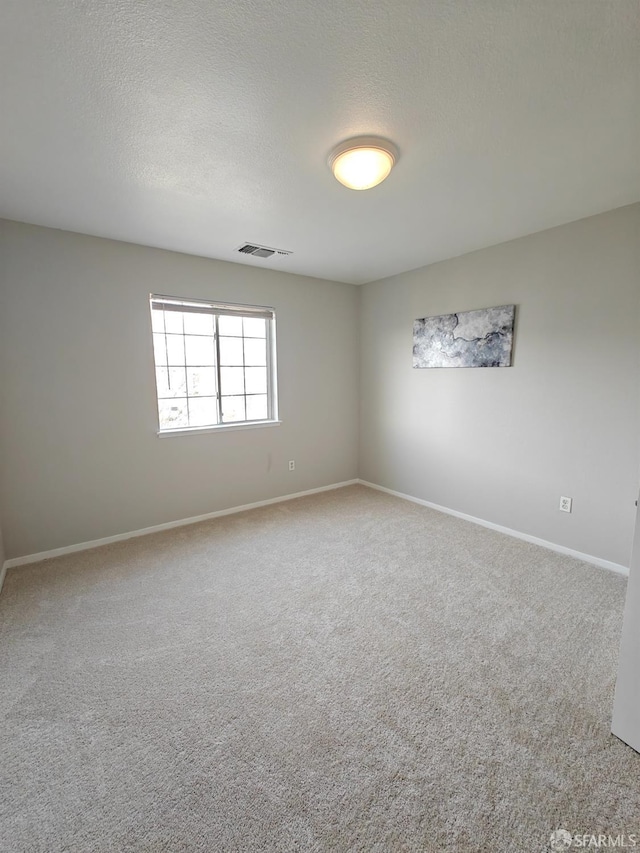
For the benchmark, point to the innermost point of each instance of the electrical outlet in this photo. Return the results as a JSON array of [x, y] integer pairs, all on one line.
[[292, 465], [565, 504]]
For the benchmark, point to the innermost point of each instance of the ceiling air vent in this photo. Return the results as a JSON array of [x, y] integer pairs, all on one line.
[[260, 251]]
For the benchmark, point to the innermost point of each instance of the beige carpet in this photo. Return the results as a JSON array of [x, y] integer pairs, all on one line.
[[344, 672]]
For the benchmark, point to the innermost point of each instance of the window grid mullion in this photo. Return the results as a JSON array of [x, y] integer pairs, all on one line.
[[267, 344], [166, 346], [244, 375], [184, 354], [216, 333]]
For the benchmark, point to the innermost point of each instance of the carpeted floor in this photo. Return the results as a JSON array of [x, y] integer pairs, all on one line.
[[343, 672]]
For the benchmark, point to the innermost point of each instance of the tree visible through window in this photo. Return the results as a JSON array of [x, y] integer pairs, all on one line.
[[214, 363]]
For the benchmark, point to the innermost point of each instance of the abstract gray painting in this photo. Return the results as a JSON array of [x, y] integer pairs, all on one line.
[[481, 338]]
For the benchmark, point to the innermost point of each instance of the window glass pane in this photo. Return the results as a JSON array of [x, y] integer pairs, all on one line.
[[232, 409], [194, 366], [257, 407], [255, 351], [202, 411], [201, 381], [175, 349], [255, 327], [159, 349], [231, 380], [230, 325], [173, 413], [198, 324], [256, 380], [157, 320], [173, 321], [231, 351], [200, 350], [171, 382]]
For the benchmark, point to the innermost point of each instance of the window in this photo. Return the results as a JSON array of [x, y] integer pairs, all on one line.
[[215, 364]]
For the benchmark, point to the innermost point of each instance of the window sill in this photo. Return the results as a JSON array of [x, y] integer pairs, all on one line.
[[169, 433]]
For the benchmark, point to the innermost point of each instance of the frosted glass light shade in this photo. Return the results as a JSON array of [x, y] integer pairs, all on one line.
[[363, 162]]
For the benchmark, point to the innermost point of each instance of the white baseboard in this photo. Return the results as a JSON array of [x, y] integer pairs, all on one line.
[[560, 549], [119, 537], [96, 543]]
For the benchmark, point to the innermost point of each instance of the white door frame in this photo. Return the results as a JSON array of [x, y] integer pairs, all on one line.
[[626, 707]]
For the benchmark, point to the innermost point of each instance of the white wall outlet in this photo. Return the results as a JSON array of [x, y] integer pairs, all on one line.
[[565, 504], [292, 465]]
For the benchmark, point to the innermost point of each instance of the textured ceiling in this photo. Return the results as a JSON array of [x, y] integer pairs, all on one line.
[[197, 125]]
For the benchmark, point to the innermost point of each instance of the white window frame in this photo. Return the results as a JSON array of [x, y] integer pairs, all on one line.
[[217, 309]]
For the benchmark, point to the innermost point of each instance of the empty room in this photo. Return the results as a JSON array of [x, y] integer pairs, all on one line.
[[319, 425]]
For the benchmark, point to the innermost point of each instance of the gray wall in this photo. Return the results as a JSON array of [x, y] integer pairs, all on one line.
[[504, 444], [2, 553], [79, 454]]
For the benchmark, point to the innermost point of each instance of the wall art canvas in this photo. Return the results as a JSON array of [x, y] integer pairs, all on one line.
[[481, 338]]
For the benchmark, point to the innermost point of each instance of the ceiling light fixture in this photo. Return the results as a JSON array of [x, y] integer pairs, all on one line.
[[363, 162]]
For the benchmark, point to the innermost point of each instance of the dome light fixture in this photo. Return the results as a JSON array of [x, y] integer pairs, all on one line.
[[363, 162]]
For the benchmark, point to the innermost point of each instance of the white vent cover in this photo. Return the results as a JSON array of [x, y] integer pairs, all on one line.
[[260, 251]]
